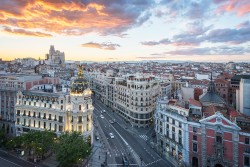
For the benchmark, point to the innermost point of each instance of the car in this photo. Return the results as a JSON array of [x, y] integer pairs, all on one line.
[[110, 121], [101, 112], [104, 111], [125, 161], [111, 135], [97, 137], [101, 116]]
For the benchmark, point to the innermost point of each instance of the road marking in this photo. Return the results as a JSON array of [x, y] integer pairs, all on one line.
[[10, 162], [122, 164], [144, 137], [153, 162]]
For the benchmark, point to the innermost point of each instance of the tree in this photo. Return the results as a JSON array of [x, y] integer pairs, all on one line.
[[2, 136], [38, 142], [71, 149]]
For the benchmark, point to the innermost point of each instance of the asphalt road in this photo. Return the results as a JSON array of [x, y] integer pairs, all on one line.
[[118, 148], [8, 160], [127, 139]]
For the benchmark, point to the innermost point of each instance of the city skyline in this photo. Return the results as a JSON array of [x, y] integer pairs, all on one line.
[[217, 30]]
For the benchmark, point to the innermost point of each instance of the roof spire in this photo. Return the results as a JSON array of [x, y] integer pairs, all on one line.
[[211, 86]]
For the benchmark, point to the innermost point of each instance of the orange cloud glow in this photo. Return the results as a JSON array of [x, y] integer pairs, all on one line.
[[61, 17], [241, 7], [105, 46], [25, 32]]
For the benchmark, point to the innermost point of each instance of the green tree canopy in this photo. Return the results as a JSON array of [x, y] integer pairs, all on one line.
[[71, 149]]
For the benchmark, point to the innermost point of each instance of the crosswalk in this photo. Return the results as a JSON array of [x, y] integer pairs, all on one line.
[[144, 137]]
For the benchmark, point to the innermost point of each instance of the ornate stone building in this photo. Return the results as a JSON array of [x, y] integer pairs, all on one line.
[[133, 96], [55, 57], [56, 111]]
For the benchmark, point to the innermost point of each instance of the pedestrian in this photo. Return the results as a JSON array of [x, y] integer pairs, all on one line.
[[99, 157]]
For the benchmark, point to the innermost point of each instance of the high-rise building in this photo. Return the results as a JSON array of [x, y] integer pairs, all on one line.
[[243, 97]]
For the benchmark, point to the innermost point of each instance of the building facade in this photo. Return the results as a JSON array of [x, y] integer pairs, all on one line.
[[172, 132], [56, 111], [9, 86], [243, 97], [135, 98], [55, 57], [131, 96]]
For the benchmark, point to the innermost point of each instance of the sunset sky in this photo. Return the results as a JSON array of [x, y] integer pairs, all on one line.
[[120, 30]]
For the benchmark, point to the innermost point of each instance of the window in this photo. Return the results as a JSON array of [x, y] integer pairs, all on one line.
[[195, 129], [167, 126], [49, 116], [173, 129], [246, 140], [61, 107], [44, 116], [218, 139], [80, 119], [246, 161], [194, 137], [44, 104], [173, 136], [18, 112], [180, 132], [61, 101], [60, 119], [167, 119], [167, 133], [180, 124], [50, 105], [60, 128], [180, 140], [80, 107], [195, 147], [44, 125]]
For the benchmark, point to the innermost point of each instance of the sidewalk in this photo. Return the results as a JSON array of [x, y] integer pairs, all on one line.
[[100, 151], [49, 162]]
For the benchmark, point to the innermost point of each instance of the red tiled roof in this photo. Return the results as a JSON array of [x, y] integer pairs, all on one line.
[[233, 113], [195, 102], [219, 80]]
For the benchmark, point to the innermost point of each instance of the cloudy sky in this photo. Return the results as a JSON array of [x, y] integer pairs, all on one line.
[[117, 30]]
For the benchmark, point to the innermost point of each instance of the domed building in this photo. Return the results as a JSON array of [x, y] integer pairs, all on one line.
[[81, 105], [212, 97], [54, 110]]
